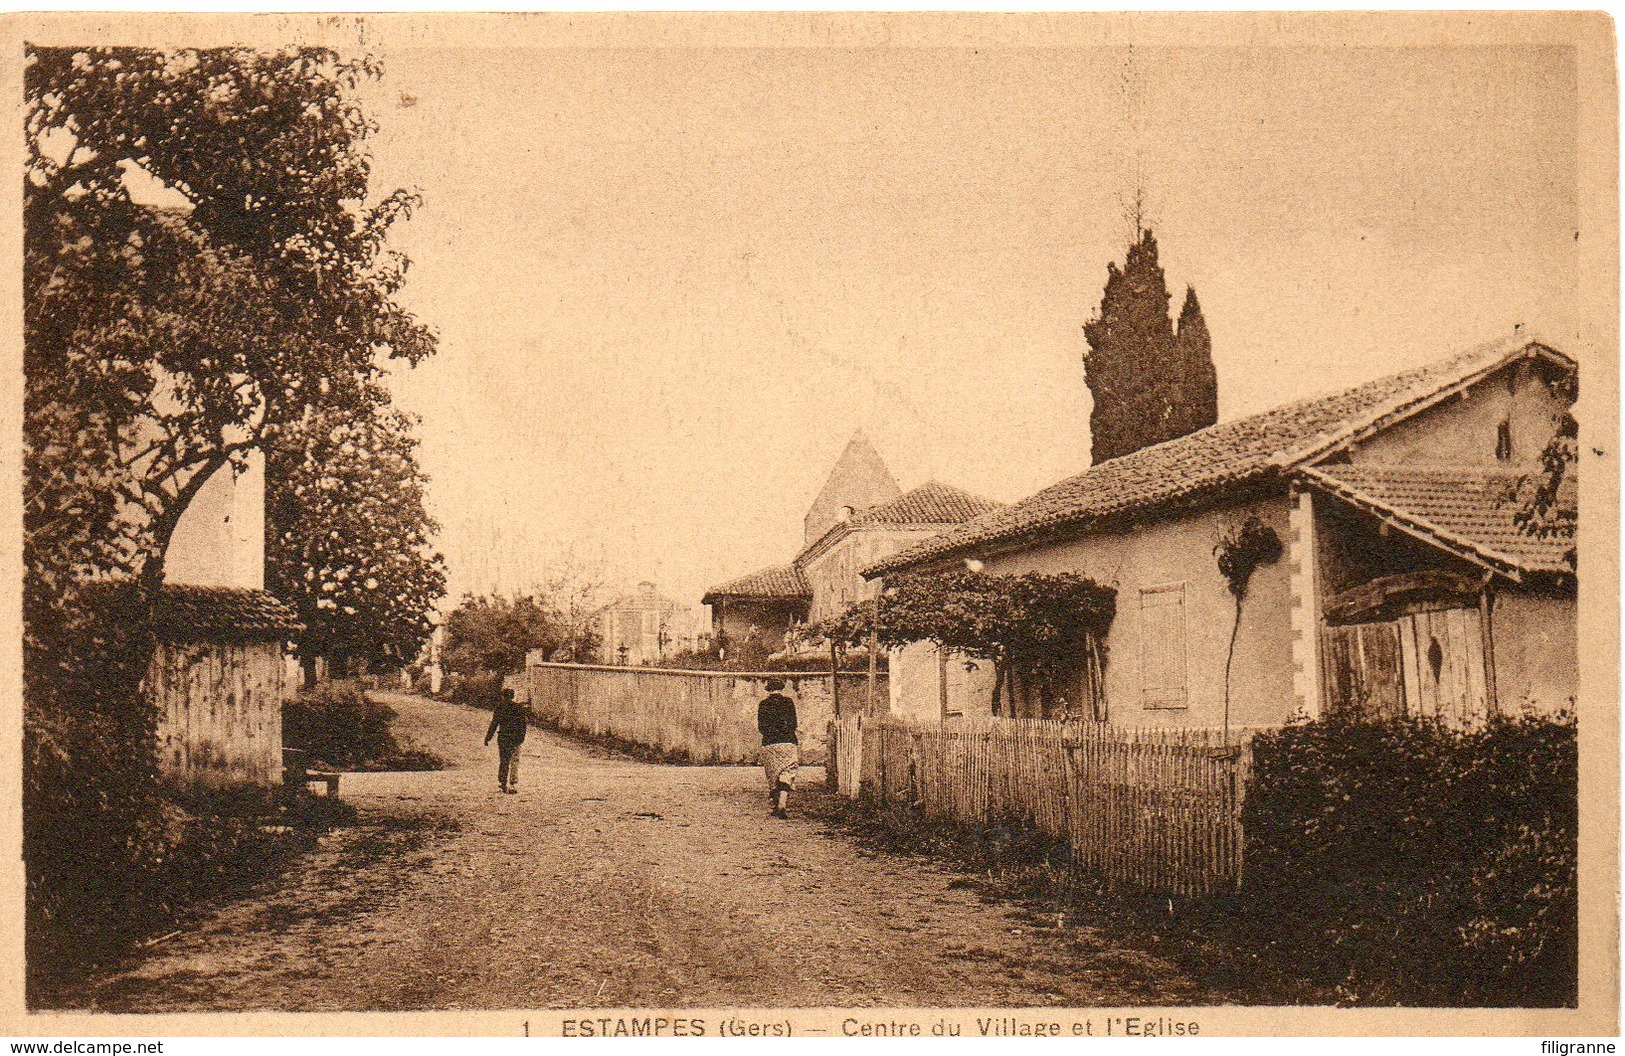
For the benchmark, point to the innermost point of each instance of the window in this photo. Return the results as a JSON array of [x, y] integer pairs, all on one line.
[[1162, 647]]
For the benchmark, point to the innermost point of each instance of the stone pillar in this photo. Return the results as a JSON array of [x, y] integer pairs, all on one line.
[[1305, 586]]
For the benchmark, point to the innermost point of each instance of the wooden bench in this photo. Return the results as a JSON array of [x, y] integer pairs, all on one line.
[[295, 774]]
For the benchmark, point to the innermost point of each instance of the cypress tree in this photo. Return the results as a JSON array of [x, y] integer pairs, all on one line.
[[1150, 382], [1199, 383]]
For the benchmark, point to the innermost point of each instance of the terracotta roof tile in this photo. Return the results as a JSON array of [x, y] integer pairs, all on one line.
[[189, 613], [1212, 461], [780, 581], [1461, 509], [931, 503]]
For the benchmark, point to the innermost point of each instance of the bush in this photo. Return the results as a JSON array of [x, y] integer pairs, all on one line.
[[338, 725], [1421, 865], [93, 805], [479, 690]]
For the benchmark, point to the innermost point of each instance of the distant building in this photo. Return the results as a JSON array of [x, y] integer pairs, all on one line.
[[860, 516], [645, 627]]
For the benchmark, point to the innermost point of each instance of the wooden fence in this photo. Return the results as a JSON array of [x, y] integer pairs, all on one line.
[[1158, 810], [708, 716]]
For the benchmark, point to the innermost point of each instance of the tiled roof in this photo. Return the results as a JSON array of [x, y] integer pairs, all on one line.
[[931, 503], [780, 582], [1465, 510], [1192, 469], [191, 613]]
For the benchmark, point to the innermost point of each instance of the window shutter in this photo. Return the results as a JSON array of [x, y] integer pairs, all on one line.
[[1162, 647]]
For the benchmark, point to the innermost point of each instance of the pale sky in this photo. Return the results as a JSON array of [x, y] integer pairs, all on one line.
[[670, 283]]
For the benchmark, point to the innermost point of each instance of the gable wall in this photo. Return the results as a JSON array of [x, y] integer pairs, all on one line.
[[834, 576], [1537, 653], [1461, 431]]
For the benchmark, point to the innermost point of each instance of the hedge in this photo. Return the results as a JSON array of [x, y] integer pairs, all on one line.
[[1404, 863]]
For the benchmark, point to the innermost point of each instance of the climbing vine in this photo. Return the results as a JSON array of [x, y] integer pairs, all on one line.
[[1241, 551], [1035, 628]]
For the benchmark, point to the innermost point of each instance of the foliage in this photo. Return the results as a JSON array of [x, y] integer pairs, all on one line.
[[338, 725], [1547, 509], [200, 266], [491, 635], [478, 690], [92, 801], [348, 537], [1036, 625], [1243, 550], [1423, 865], [1150, 381], [806, 660]]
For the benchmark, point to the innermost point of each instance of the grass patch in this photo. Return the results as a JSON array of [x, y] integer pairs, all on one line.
[[1015, 863], [215, 848]]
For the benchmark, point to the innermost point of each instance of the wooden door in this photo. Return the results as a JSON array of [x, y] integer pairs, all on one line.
[[1361, 666], [1443, 663]]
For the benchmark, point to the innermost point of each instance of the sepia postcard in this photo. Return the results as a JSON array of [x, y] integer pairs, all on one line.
[[812, 525]]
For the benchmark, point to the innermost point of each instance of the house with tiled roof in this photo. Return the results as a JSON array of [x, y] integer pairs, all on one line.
[[643, 627], [220, 673], [859, 516], [1405, 586]]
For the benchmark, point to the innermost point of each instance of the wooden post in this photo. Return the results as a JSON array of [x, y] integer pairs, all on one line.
[[874, 645], [834, 679], [1486, 614]]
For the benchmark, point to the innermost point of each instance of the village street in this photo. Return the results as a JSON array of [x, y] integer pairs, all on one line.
[[610, 883]]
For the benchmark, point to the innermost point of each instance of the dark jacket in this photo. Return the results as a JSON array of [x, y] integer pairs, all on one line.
[[509, 722], [776, 718]]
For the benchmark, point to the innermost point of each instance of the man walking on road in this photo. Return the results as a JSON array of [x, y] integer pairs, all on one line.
[[781, 753], [509, 723]]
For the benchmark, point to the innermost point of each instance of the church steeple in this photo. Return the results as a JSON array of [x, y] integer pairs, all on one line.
[[859, 480]]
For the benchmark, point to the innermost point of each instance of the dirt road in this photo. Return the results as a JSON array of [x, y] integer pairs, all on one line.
[[610, 883]]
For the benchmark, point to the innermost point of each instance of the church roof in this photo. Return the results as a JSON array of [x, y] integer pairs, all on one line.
[[931, 503], [860, 480], [779, 583]]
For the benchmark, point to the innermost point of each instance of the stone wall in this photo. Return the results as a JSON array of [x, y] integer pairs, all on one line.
[[709, 716]]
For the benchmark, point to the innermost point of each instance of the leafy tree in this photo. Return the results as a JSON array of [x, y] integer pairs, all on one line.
[[1035, 628], [491, 635], [201, 264], [348, 535], [1150, 382], [575, 597], [1548, 506], [164, 341]]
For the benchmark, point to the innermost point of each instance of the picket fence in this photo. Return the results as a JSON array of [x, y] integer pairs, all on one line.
[[1155, 809]]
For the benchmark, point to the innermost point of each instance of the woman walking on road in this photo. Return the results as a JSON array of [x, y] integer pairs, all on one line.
[[780, 753], [509, 723]]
